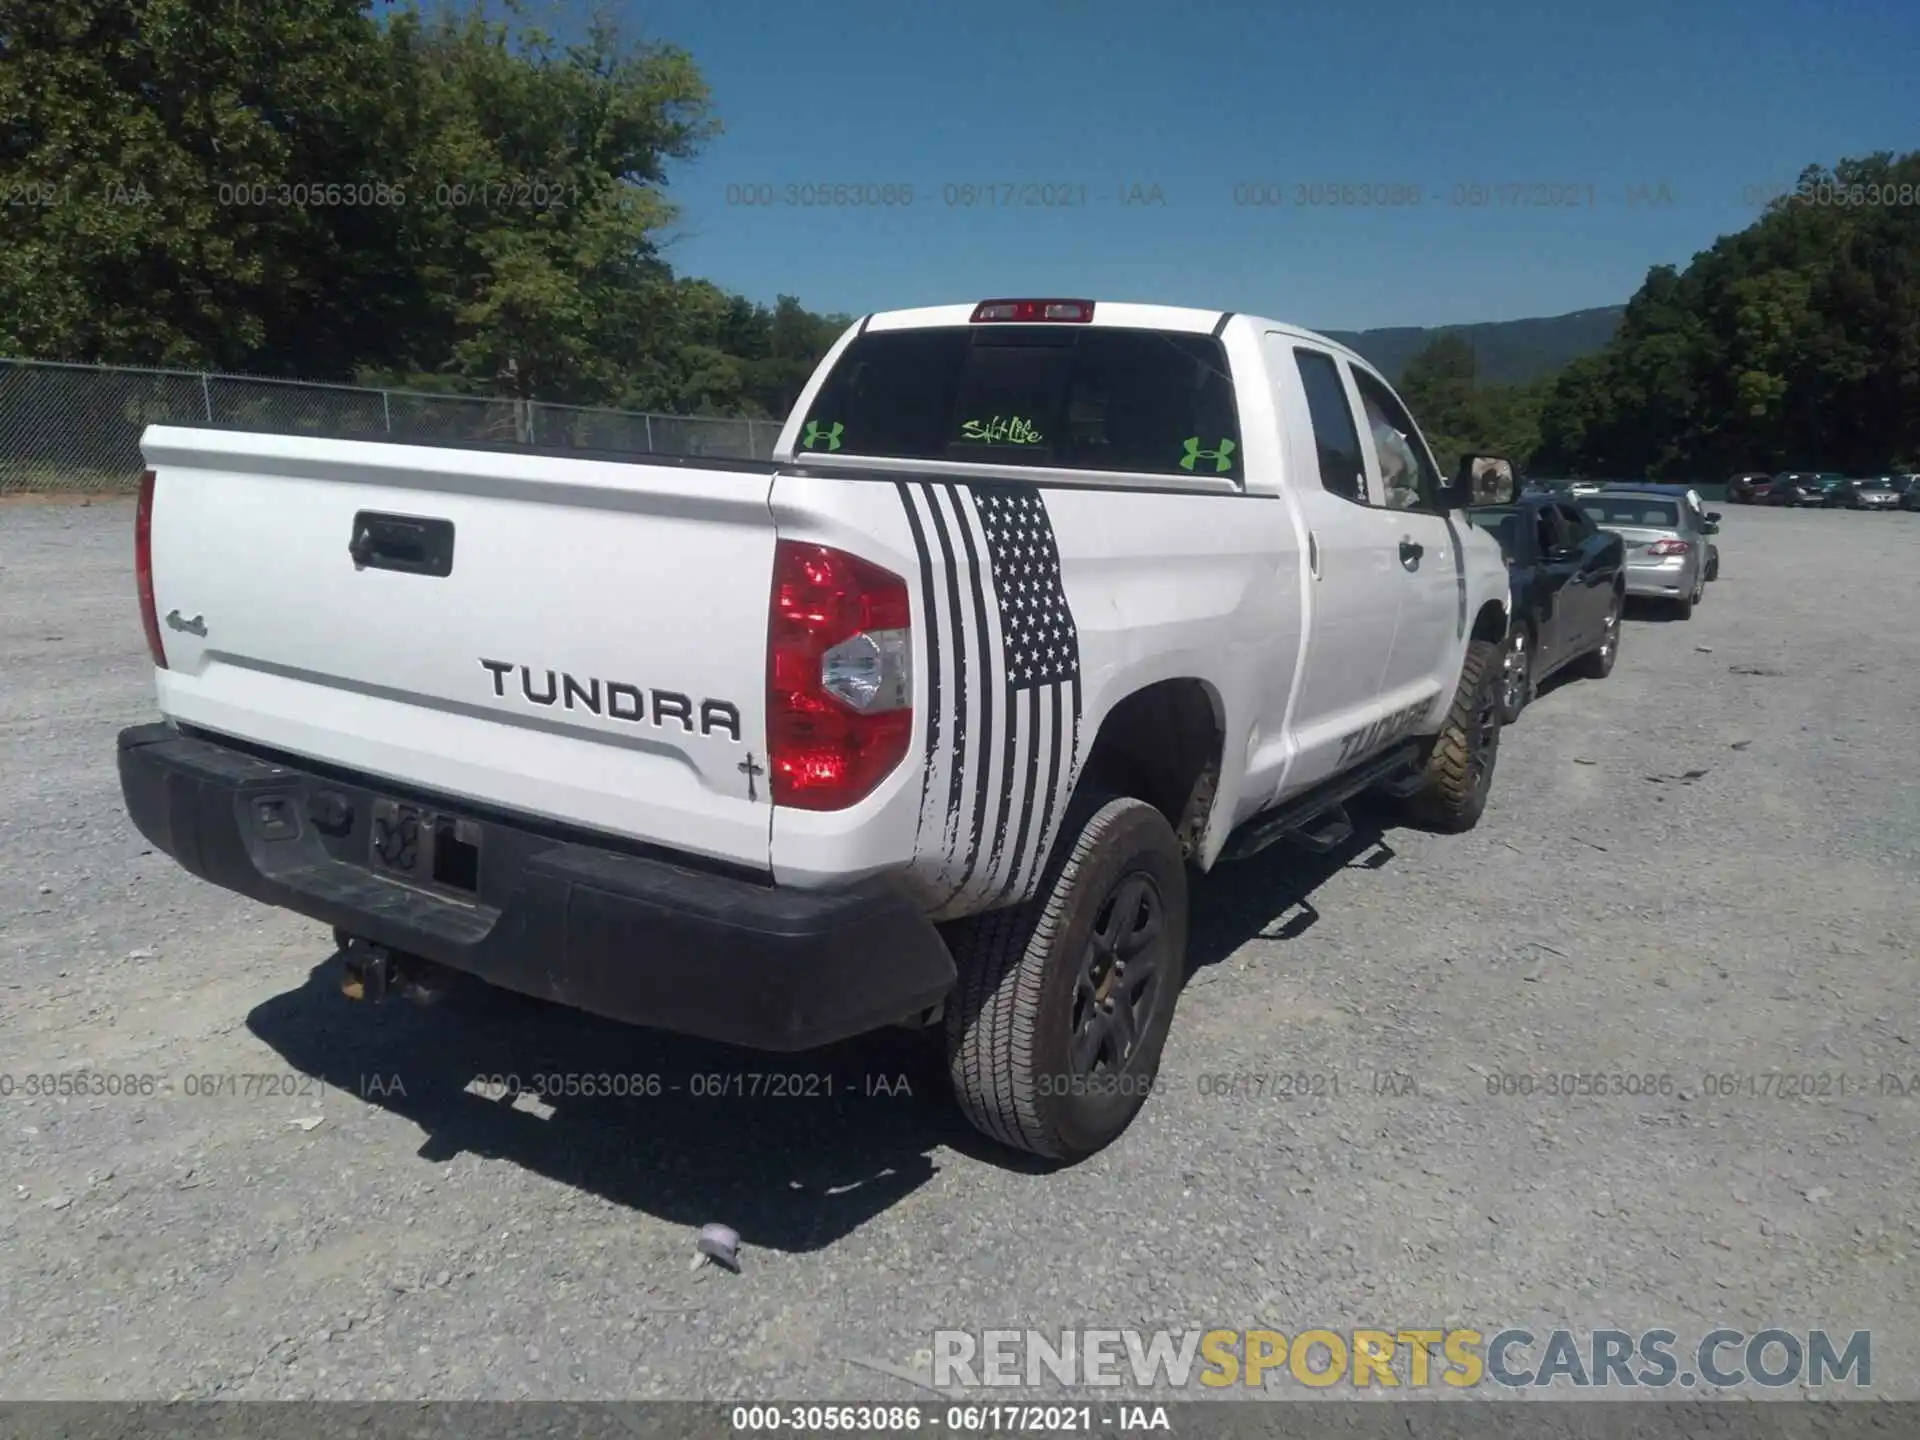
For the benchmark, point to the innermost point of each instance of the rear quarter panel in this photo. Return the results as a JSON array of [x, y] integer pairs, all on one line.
[[1151, 586]]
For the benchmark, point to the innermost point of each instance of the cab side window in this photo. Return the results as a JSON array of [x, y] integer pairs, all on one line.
[[1335, 437], [1406, 470], [1579, 528], [1547, 534]]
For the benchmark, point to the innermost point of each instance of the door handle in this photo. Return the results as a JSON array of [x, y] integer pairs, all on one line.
[[411, 544], [1313, 554], [1410, 553]]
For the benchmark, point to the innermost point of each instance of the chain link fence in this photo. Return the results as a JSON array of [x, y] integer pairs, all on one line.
[[77, 428]]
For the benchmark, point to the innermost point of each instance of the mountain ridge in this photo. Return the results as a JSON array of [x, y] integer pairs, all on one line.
[[1509, 352]]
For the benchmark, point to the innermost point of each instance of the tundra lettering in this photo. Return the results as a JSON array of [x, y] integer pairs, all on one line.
[[622, 701], [1383, 731]]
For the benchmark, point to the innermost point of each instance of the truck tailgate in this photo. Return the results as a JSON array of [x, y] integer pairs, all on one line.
[[594, 653]]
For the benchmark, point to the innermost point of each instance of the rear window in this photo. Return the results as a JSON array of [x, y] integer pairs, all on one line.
[[1631, 510], [1056, 397]]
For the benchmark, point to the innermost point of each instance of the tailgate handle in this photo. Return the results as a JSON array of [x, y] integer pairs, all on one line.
[[411, 544]]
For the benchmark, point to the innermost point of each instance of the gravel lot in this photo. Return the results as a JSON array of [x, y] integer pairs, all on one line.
[[419, 1240]]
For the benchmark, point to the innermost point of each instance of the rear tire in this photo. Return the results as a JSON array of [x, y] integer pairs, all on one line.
[[1597, 663], [1516, 675], [1460, 765], [1063, 1004], [1683, 609]]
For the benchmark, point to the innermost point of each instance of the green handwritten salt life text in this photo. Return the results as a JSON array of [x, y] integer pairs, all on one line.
[[1011, 431]]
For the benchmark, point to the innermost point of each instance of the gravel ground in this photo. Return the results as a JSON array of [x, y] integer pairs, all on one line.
[[385, 1232]]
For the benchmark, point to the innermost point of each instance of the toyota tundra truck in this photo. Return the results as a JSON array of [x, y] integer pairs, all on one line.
[[1038, 606]]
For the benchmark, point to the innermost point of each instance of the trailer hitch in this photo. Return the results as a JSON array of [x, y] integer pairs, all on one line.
[[372, 972]]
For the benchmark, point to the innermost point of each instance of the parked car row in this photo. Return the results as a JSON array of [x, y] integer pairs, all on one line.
[[1702, 523], [1881, 492], [1827, 490], [1574, 559]]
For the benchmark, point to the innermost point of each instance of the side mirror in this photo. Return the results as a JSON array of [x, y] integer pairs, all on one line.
[[1712, 527], [1481, 480], [1713, 517]]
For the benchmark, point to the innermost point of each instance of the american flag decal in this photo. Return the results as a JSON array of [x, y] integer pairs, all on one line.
[[1003, 688]]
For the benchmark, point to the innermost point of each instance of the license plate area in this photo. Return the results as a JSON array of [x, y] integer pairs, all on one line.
[[425, 847]]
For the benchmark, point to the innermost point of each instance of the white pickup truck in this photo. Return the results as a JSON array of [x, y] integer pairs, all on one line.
[[1037, 604]]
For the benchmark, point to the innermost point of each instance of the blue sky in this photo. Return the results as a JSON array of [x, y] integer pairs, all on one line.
[[1708, 100]]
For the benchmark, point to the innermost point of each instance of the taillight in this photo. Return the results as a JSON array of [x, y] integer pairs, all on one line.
[[839, 676], [1669, 547], [1028, 312], [143, 569]]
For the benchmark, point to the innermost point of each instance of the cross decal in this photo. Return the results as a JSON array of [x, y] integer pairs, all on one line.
[[749, 767]]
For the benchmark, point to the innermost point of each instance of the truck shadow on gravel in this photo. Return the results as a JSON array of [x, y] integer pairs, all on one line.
[[793, 1151], [1269, 896], [1649, 610]]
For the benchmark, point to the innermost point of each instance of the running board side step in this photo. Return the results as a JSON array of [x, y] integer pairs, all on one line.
[[1328, 830], [1317, 820], [1406, 786]]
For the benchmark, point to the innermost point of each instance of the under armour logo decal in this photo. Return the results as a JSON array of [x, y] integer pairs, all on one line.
[[1222, 458]]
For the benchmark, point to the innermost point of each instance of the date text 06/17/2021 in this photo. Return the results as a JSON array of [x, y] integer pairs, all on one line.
[[198, 1085], [1001, 1419], [698, 1086]]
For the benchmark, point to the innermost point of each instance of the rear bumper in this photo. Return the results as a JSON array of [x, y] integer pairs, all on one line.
[[633, 938], [1662, 581]]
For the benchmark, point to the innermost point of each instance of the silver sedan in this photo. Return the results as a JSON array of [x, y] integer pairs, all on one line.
[[1666, 548], [1878, 493]]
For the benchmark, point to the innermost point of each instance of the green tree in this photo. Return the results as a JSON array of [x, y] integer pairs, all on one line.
[[133, 129], [491, 225], [534, 175], [796, 339], [1438, 385], [1459, 416], [1794, 343], [1510, 419], [708, 375]]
